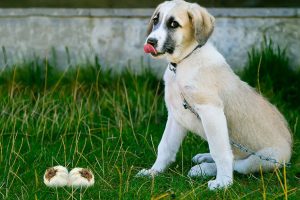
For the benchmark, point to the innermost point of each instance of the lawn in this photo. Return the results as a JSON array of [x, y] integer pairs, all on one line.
[[112, 123]]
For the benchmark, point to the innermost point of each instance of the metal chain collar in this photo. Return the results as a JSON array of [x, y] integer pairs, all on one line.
[[243, 148]]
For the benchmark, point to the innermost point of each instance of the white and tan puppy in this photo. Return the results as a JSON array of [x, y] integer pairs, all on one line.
[[229, 109]]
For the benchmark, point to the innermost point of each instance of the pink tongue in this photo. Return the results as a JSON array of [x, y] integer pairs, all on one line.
[[148, 48]]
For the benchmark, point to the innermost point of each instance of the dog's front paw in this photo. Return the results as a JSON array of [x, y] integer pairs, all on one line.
[[220, 184], [147, 173], [204, 169]]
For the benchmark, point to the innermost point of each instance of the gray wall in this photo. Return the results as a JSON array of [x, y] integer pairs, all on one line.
[[117, 35]]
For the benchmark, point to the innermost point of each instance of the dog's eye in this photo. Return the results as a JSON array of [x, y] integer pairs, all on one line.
[[174, 24], [155, 20]]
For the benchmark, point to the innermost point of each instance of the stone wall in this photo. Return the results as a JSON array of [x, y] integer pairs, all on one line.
[[116, 36]]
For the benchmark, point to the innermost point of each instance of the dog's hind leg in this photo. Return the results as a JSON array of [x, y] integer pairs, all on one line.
[[203, 169], [253, 163], [203, 158]]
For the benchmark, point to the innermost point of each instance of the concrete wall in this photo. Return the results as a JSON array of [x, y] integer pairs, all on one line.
[[117, 35]]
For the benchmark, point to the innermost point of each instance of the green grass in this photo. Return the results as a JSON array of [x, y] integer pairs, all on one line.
[[112, 124]]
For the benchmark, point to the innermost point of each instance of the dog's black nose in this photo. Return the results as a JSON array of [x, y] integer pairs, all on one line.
[[152, 41]]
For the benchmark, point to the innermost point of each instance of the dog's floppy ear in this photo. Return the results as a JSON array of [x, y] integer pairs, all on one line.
[[202, 22], [150, 24]]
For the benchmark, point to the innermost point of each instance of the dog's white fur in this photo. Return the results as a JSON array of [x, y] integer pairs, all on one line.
[[228, 107]]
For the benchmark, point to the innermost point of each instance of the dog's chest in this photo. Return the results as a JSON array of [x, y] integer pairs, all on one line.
[[174, 102]]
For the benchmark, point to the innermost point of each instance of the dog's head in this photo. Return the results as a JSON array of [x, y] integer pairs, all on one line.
[[177, 26]]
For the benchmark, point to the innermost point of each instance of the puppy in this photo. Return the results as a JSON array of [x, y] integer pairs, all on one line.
[[223, 108]]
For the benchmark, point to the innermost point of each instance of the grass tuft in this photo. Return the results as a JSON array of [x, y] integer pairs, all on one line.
[[270, 71]]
